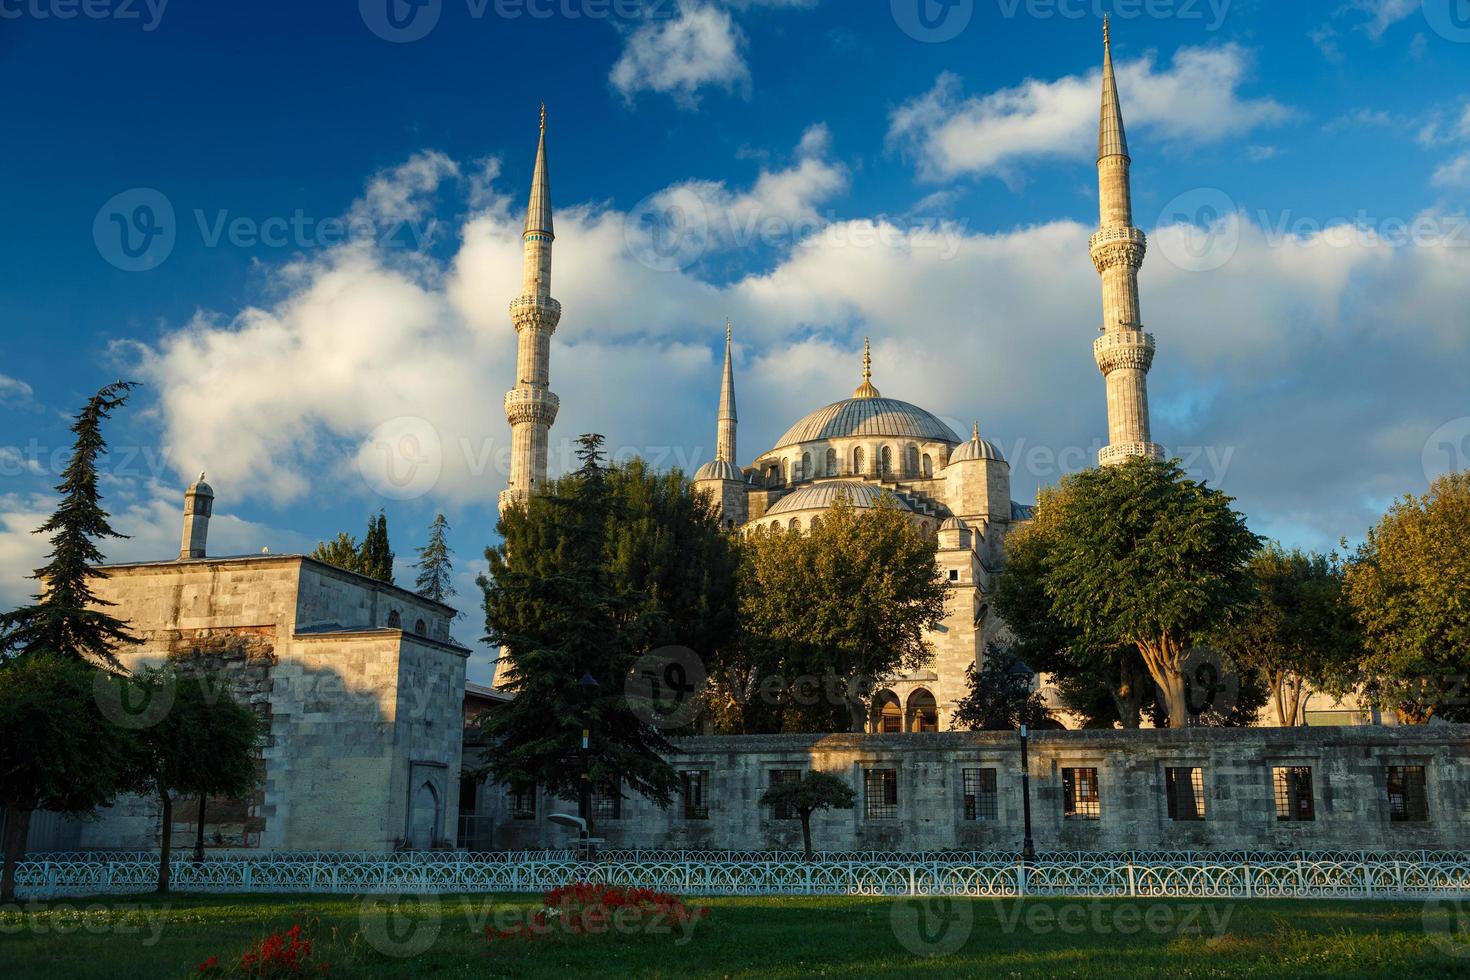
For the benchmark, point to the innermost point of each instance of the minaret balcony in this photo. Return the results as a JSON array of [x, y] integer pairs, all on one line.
[[540, 311], [1124, 349], [535, 405], [1111, 236], [1118, 454]]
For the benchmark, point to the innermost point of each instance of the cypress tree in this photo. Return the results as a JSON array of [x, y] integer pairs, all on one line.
[[434, 565], [67, 617]]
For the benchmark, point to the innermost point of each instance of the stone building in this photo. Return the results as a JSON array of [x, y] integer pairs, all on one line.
[[359, 682]]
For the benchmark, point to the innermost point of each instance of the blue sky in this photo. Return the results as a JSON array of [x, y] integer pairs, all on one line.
[[1301, 168]]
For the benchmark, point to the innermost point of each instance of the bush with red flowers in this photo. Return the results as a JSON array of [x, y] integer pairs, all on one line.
[[588, 909], [282, 954]]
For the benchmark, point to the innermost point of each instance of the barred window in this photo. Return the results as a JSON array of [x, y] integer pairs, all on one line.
[[1408, 801], [980, 795], [696, 799], [607, 801], [523, 801], [1185, 789], [1079, 795], [779, 776], [880, 793], [1293, 793]]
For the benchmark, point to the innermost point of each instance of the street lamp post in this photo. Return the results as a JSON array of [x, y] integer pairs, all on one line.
[[586, 689], [1028, 847]]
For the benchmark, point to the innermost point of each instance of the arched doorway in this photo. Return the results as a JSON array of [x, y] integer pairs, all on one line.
[[424, 819], [923, 712], [887, 712]]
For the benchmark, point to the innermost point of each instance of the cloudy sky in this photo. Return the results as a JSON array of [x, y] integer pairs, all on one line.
[[298, 226]]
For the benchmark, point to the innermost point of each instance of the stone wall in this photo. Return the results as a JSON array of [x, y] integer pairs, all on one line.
[[1348, 778]]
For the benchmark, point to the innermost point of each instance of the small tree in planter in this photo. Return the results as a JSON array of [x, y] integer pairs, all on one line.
[[805, 796]]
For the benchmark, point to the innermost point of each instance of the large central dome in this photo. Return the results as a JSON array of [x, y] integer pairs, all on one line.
[[868, 417]]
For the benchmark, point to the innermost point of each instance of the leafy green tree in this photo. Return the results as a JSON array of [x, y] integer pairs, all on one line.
[[1299, 632], [812, 792], [999, 700], [68, 618], [1144, 556], [342, 551], [204, 744], [58, 751], [435, 569], [1409, 587], [847, 603], [376, 560], [602, 568]]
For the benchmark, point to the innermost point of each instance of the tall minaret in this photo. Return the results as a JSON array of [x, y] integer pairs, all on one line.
[[725, 437], [1124, 352], [530, 406]]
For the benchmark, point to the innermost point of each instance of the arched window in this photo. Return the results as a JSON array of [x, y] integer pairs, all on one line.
[[885, 461], [795, 524], [857, 461], [806, 466], [421, 628], [911, 464], [395, 621], [816, 523], [831, 462], [923, 713], [928, 466], [887, 713]]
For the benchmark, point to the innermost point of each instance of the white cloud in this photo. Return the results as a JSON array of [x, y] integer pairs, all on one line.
[[1195, 100], [1455, 173], [13, 390], [1383, 14]]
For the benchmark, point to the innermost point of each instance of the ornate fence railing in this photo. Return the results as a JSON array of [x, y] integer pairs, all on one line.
[[1275, 876]]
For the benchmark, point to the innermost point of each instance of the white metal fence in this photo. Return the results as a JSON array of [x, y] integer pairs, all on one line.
[[1302, 875]]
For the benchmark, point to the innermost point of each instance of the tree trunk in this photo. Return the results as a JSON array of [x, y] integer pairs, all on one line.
[[1176, 704], [17, 829], [1161, 656], [806, 832], [199, 839], [165, 845], [1127, 692]]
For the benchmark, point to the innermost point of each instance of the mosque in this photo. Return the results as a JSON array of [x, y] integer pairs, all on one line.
[[871, 449]]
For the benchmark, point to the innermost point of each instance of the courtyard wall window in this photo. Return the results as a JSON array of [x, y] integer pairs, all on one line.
[[1080, 800], [880, 793], [1293, 785], [696, 794], [981, 801], [779, 776], [1185, 789], [1408, 801], [607, 801], [523, 801]]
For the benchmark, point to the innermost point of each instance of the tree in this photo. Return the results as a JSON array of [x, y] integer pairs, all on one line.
[[847, 603], [58, 751], [68, 618], [204, 744], [342, 551], [434, 565], [812, 792], [999, 699], [602, 568], [1143, 556], [1298, 632], [1409, 588], [376, 560]]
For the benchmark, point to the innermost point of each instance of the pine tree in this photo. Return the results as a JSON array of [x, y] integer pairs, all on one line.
[[376, 558], [68, 618], [433, 564]]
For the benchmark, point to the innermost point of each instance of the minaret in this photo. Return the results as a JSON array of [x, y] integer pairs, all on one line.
[[725, 437], [530, 406], [198, 506], [1124, 352]]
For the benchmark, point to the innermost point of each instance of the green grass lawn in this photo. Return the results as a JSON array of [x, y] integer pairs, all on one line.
[[147, 938]]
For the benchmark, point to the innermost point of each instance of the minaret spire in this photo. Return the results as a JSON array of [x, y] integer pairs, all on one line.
[[1124, 352], [725, 441], [866, 389], [530, 406]]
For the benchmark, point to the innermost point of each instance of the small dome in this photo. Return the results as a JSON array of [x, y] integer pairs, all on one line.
[[821, 496], [719, 469], [954, 524], [200, 487], [976, 448]]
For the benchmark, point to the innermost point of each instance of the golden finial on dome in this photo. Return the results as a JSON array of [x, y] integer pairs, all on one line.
[[543, 115], [975, 433], [866, 389], [1107, 31]]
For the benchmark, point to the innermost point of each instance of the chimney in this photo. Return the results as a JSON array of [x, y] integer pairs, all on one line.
[[198, 505]]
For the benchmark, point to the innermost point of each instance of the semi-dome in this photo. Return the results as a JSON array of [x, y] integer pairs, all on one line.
[[868, 417], [976, 448], [719, 469], [821, 496], [954, 524]]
